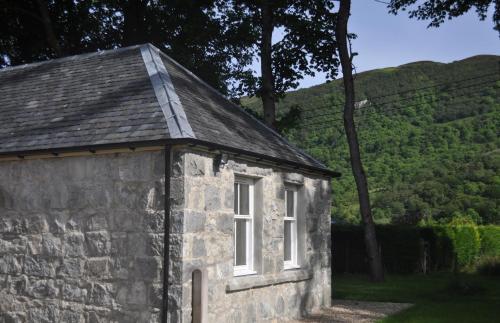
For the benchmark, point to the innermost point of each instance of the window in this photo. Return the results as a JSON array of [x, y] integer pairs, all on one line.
[[243, 226], [290, 228]]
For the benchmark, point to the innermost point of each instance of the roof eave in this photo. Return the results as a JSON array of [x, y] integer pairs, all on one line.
[[279, 161], [176, 141]]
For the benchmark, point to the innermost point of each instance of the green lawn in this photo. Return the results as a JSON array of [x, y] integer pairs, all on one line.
[[433, 295]]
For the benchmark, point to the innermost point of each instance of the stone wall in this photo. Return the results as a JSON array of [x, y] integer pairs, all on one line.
[[207, 243], [81, 238]]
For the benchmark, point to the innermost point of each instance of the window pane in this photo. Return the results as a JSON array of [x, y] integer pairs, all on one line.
[[288, 240], [244, 199], [235, 198], [240, 231], [289, 203]]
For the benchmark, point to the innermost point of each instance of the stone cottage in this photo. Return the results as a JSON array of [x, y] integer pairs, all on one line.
[[131, 191]]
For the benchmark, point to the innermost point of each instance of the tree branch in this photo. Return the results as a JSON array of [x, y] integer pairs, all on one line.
[[48, 27], [25, 12]]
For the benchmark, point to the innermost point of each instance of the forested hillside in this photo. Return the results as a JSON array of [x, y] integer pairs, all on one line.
[[429, 134]]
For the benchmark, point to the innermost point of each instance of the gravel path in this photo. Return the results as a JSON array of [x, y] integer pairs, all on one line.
[[344, 311]]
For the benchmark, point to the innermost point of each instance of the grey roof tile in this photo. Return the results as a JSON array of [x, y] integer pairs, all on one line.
[[109, 98]]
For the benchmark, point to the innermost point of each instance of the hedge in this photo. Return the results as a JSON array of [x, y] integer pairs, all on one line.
[[466, 243], [408, 249], [490, 240]]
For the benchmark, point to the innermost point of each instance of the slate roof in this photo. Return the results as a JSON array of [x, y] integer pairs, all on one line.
[[127, 95]]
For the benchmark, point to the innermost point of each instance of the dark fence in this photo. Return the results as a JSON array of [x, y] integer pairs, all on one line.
[[411, 249]]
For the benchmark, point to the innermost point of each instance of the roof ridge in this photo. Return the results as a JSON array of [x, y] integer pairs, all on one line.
[[300, 151], [177, 123], [71, 57]]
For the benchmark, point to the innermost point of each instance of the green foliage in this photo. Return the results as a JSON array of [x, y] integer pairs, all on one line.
[[194, 33], [466, 243], [470, 217], [490, 240], [307, 47], [437, 11], [431, 155], [289, 120]]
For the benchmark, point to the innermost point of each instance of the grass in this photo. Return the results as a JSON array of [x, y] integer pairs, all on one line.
[[436, 297]]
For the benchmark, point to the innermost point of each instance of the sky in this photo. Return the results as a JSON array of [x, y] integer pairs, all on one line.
[[386, 40]]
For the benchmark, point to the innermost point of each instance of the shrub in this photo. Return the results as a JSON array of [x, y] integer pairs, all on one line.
[[466, 243], [449, 242], [490, 240]]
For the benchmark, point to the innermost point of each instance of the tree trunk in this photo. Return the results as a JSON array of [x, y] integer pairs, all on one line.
[[375, 261], [267, 89], [48, 27], [133, 22]]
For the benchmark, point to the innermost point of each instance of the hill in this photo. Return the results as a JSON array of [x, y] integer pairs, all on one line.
[[429, 135]]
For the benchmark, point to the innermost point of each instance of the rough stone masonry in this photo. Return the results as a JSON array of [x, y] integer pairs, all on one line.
[[208, 242], [81, 240]]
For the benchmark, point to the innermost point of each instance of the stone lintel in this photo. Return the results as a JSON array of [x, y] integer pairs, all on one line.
[[293, 178]]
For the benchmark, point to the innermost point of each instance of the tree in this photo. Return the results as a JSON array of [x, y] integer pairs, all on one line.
[[189, 31], [438, 10], [307, 45], [192, 32], [375, 261], [48, 27], [35, 30]]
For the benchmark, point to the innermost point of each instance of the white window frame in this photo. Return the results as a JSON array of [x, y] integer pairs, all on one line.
[[246, 269], [293, 263]]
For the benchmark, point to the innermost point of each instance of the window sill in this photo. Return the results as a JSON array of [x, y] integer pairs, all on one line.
[[256, 281], [291, 267], [244, 272]]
